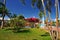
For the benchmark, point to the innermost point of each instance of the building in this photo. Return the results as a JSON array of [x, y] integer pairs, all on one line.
[[32, 22]]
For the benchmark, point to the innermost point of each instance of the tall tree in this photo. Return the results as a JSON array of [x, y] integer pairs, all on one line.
[[56, 6], [48, 7], [4, 11], [45, 12], [3, 7]]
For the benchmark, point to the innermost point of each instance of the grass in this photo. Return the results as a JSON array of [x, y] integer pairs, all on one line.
[[31, 34]]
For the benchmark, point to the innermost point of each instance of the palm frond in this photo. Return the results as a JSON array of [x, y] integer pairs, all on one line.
[[39, 4], [2, 4], [41, 14], [49, 5], [13, 15], [23, 2], [6, 11], [33, 2]]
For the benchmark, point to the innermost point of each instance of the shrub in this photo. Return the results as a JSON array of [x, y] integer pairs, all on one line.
[[6, 24], [18, 24]]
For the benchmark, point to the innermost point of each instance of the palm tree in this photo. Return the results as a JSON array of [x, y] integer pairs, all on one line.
[[4, 12], [41, 6], [48, 7], [56, 6], [41, 14], [45, 12]]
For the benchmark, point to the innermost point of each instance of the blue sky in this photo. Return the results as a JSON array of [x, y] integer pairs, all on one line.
[[15, 6]]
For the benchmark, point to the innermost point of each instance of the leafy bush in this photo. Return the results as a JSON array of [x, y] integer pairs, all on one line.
[[20, 23], [54, 23], [6, 24], [17, 24]]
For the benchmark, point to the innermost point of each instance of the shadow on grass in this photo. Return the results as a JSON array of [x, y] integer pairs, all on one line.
[[9, 29], [21, 31], [46, 34]]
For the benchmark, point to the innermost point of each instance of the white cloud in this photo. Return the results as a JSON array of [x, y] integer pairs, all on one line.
[[0, 18]]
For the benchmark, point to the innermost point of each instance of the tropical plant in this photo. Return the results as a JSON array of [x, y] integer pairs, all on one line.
[[7, 24], [4, 12], [20, 17], [17, 22], [48, 7], [13, 15], [41, 14], [53, 23], [56, 6], [43, 3]]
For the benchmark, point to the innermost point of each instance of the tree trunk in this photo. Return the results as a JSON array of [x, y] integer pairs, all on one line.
[[56, 5], [2, 25], [50, 26], [50, 20], [46, 16], [2, 22], [3, 15], [4, 1], [44, 9]]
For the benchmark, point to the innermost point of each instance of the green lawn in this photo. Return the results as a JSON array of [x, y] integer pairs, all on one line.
[[31, 34]]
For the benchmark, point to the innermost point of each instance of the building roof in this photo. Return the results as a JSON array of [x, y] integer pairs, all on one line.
[[32, 19]]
